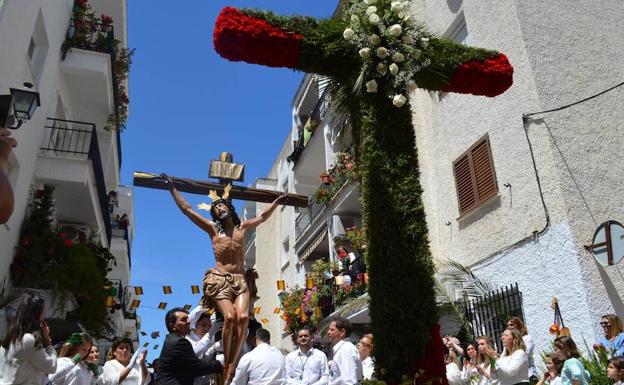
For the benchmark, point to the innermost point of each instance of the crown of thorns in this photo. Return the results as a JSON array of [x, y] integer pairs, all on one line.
[[216, 199]]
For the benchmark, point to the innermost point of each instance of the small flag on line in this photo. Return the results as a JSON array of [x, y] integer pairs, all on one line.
[[109, 301], [167, 289], [257, 310], [156, 347], [281, 285], [135, 303], [162, 305], [187, 307], [146, 344], [155, 334], [309, 283], [143, 333], [138, 290], [276, 310], [264, 321], [195, 289]]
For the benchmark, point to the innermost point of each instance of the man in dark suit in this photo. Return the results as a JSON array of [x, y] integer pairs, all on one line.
[[178, 364]]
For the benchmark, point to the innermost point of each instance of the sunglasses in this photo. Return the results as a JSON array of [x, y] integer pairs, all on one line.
[[603, 323]]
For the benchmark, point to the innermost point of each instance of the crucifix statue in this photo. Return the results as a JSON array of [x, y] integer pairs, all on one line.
[[374, 55], [225, 287]]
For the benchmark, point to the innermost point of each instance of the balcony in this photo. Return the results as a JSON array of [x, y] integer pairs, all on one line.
[[311, 125], [70, 159], [88, 53]]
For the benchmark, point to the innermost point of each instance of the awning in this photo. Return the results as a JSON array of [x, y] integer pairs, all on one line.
[[317, 239]]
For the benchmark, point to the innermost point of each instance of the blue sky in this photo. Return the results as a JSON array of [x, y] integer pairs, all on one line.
[[187, 105]]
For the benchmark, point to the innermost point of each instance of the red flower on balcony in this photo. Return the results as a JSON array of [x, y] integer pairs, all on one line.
[[68, 242], [81, 3], [106, 20]]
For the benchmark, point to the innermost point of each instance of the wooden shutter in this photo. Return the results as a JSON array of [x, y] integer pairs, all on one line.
[[475, 178]]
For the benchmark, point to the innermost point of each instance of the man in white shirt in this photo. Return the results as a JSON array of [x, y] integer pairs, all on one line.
[[262, 366], [346, 367], [306, 365]]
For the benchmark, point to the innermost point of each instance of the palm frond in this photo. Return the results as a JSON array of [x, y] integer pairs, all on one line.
[[462, 276]]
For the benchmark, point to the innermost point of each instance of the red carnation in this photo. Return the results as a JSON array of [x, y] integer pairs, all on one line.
[[489, 77], [431, 367], [239, 37], [68, 242]]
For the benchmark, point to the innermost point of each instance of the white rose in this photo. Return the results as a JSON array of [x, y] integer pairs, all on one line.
[[369, 2], [381, 68], [398, 57], [355, 19], [407, 17], [371, 86], [407, 39], [394, 69], [396, 6], [395, 30], [364, 53], [370, 10], [416, 53], [374, 39], [382, 52], [374, 19], [348, 34], [411, 85], [424, 42], [399, 100], [406, 5]]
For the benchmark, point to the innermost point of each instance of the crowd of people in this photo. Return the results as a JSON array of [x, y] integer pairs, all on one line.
[[479, 363], [192, 355]]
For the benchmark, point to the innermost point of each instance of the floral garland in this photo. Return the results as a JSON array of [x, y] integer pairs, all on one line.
[[392, 47]]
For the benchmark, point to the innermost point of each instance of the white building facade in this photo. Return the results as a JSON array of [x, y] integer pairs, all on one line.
[[67, 142], [550, 180]]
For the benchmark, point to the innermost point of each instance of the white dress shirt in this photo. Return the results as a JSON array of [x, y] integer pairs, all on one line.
[[512, 369], [368, 368], [306, 368], [70, 373], [346, 367], [113, 368], [24, 364], [262, 366]]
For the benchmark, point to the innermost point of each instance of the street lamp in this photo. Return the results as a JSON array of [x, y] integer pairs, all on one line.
[[20, 104]]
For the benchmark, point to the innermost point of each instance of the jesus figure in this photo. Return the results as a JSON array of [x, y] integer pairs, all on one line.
[[225, 286]]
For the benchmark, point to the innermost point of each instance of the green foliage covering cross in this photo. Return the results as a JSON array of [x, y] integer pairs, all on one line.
[[375, 55]]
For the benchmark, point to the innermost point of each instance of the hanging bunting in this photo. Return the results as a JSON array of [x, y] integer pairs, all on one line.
[[195, 289], [156, 347], [187, 307], [135, 303], [143, 333], [257, 310], [167, 289], [162, 305], [276, 310], [281, 285], [138, 290], [264, 321]]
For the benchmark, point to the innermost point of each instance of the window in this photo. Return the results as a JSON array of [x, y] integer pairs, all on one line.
[[458, 32], [475, 178], [284, 253], [38, 48]]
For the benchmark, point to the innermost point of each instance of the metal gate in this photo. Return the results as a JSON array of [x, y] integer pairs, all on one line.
[[488, 314]]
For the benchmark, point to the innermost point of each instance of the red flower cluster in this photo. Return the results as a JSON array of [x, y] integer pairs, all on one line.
[[81, 3], [490, 77], [239, 37], [106, 20], [430, 369]]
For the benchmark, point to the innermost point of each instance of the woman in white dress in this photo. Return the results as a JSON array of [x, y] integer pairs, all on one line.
[[529, 345], [71, 369], [26, 352], [204, 327], [476, 369], [93, 360], [512, 367], [365, 349], [124, 368]]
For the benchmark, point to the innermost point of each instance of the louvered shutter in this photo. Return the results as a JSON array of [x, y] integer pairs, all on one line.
[[466, 194], [475, 178]]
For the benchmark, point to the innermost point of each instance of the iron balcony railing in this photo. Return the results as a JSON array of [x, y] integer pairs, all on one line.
[[69, 138], [307, 217], [317, 114]]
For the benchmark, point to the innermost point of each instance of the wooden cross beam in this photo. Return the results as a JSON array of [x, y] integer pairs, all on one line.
[[144, 179]]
